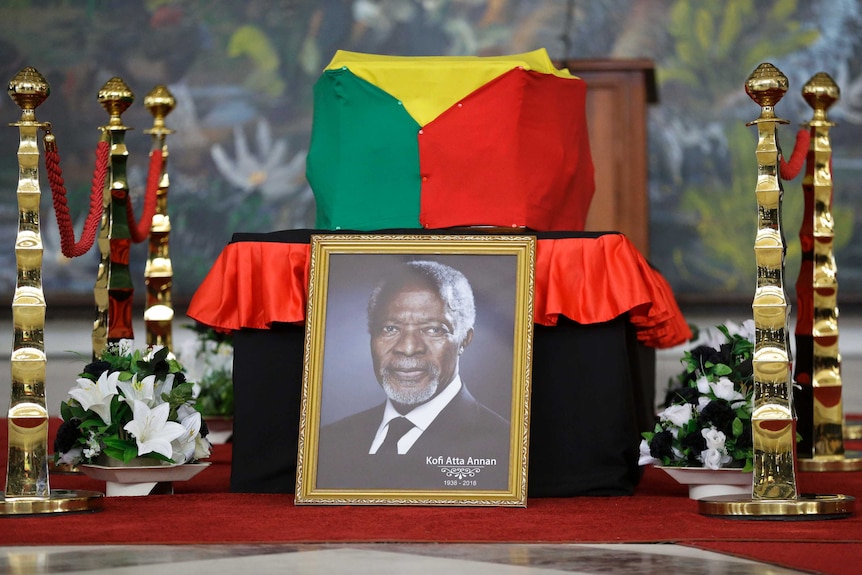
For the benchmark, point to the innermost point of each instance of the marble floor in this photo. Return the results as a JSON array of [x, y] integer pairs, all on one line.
[[380, 559], [66, 348]]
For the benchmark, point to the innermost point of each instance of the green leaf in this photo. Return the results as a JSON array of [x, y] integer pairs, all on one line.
[[722, 369], [65, 412], [158, 456], [115, 453], [130, 452], [737, 427], [118, 443]]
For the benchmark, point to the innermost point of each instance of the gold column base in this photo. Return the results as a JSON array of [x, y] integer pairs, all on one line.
[[851, 461], [806, 507], [60, 501], [852, 431]]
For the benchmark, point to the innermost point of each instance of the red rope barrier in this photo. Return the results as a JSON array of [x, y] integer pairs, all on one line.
[[68, 246], [141, 230], [791, 168]]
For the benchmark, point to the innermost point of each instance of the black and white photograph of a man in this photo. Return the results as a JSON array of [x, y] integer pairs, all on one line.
[[418, 393]]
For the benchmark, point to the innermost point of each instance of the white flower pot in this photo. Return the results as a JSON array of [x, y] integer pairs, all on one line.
[[142, 479], [704, 482]]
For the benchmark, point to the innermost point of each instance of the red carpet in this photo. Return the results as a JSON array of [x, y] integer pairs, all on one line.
[[201, 511]]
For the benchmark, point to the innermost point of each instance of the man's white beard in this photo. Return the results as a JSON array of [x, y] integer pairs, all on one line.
[[409, 395]]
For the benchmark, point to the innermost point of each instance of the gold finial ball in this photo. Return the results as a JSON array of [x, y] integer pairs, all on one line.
[[115, 96], [821, 91], [160, 102], [766, 85], [28, 88]]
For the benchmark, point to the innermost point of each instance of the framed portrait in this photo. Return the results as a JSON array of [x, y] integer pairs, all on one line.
[[417, 367]]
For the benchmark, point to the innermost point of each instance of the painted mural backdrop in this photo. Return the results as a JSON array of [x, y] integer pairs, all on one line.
[[242, 74]]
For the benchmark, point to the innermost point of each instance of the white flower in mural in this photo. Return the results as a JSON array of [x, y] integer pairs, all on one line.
[[152, 431], [96, 395], [267, 169]]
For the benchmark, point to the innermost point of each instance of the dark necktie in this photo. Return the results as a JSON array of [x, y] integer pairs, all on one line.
[[397, 428]]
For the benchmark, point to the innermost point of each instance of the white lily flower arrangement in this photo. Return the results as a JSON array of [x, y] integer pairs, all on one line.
[[706, 420], [128, 405]]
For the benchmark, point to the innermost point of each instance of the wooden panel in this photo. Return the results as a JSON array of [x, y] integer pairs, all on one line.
[[618, 92]]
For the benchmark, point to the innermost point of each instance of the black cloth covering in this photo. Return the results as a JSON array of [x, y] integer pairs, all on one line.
[[592, 393]]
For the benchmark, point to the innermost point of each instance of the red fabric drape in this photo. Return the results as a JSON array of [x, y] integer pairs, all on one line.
[[514, 153], [589, 280], [252, 285]]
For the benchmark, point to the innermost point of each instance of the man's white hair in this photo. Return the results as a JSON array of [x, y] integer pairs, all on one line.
[[452, 286]]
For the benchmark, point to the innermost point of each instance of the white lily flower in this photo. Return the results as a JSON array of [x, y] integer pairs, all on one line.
[[184, 445], [203, 447], [151, 429], [163, 386], [96, 395], [140, 390], [185, 410]]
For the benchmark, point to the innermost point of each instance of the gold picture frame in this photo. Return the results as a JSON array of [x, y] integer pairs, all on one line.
[[462, 455]]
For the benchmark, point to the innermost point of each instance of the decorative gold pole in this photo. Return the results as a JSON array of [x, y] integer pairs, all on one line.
[[114, 289], [27, 485], [822, 422], [158, 274], [774, 492]]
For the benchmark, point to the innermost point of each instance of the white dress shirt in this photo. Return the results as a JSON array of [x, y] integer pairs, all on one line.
[[420, 416]]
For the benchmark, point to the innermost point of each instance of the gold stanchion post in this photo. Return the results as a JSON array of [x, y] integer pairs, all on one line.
[[113, 290], [27, 482], [774, 491], [821, 413], [158, 274]]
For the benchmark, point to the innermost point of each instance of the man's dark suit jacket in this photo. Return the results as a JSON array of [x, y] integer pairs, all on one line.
[[464, 429]]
